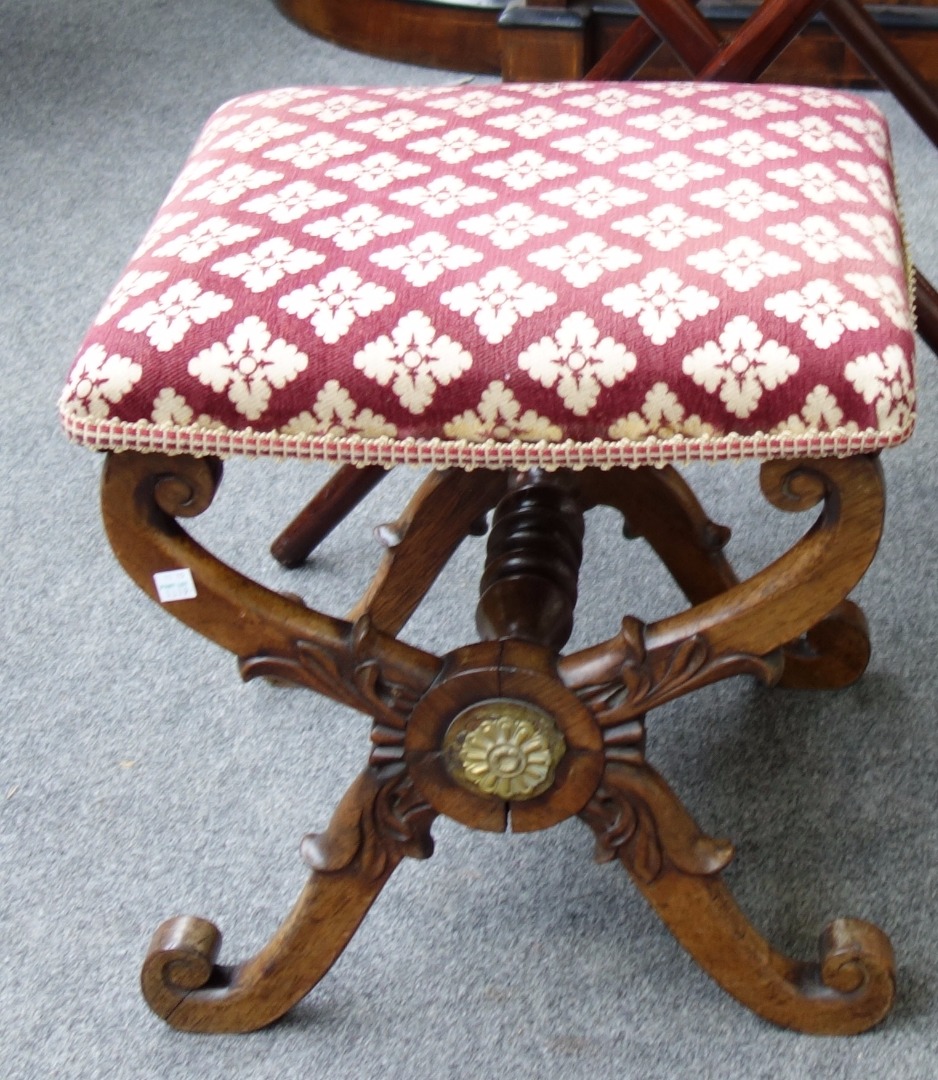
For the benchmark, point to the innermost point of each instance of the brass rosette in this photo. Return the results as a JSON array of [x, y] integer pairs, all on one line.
[[503, 747]]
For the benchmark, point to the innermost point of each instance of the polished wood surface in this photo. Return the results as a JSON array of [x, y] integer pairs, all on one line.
[[332, 503], [484, 37], [460, 38], [583, 712]]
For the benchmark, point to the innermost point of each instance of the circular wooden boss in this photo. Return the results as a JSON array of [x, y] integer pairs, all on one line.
[[478, 678]]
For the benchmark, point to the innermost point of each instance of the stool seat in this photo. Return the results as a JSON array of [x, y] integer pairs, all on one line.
[[564, 275]]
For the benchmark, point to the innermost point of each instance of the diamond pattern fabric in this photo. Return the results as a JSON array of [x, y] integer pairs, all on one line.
[[559, 275]]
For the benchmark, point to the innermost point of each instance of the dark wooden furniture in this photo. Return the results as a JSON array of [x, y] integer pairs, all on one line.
[[560, 39]]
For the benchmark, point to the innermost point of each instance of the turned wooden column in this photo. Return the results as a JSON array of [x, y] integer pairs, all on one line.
[[529, 588]]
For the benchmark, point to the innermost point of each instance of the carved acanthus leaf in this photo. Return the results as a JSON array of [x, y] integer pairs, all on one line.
[[629, 826], [314, 666], [644, 679], [624, 830], [351, 672], [390, 822]]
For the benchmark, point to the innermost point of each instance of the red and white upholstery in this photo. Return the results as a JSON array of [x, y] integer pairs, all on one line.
[[559, 275]]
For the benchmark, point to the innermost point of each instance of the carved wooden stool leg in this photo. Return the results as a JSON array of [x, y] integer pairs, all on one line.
[[659, 506], [379, 822], [506, 727], [335, 500], [832, 654], [640, 821], [835, 651]]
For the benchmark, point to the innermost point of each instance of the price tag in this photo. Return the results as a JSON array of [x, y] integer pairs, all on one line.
[[174, 585]]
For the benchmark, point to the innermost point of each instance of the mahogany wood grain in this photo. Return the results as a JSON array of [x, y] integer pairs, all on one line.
[[684, 28], [760, 40], [460, 37], [623, 54], [543, 42], [529, 586], [379, 822], [457, 38], [436, 521]]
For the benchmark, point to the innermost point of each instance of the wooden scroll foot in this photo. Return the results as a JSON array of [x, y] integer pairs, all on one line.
[[380, 820], [567, 735], [640, 821]]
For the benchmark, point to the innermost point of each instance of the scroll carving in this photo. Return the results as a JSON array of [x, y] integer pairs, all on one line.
[[638, 820], [380, 820], [271, 633], [603, 693], [631, 829], [350, 671]]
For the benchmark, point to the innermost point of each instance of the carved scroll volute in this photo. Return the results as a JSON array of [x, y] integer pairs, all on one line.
[[646, 831], [142, 494], [625, 679], [781, 602]]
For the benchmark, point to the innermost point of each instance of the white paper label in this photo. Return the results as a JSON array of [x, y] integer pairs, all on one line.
[[174, 585]]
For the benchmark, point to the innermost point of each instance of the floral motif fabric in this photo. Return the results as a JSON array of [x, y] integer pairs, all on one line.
[[563, 275]]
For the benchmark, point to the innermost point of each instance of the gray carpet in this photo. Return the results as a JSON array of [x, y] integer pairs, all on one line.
[[139, 778]]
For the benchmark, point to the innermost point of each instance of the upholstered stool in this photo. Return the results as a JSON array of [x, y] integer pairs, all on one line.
[[550, 295]]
